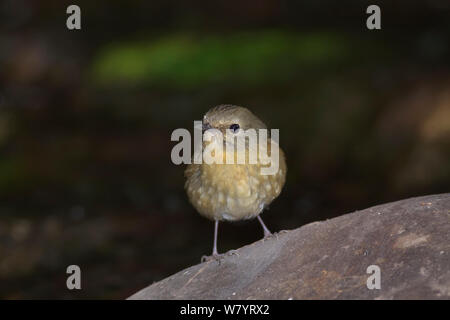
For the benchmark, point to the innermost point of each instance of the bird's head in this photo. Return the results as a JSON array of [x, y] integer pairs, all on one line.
[[231, 117], [226, 122]]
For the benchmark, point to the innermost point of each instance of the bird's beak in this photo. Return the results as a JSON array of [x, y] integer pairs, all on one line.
[[205, 126]]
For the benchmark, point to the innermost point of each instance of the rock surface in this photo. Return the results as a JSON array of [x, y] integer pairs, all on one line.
[[409, 240]]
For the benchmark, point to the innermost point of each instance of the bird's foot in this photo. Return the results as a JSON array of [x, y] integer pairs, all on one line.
[[217, 257], [232, 252], [268, 236]]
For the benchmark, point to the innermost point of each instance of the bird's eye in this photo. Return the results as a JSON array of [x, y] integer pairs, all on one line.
[[234, 127]]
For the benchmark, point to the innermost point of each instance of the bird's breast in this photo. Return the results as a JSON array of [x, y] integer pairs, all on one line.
[[232, 191]]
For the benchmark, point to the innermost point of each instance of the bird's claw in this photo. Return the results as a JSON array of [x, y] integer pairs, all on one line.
[[232, 252], [275, 234], [217, 257], [267, 236]]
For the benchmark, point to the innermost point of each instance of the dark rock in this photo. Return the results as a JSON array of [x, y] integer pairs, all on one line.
[[409, 240]]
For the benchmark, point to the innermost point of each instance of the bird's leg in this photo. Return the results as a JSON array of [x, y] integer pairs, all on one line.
[[216, 228], [267, 233], [215, 255]]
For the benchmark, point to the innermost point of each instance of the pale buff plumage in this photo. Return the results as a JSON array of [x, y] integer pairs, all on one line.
[[233, 191]]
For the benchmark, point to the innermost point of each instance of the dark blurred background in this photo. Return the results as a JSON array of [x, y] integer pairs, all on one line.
[[86, 117]]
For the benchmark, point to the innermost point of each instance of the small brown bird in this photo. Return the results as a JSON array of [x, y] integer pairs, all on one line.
[[233, 191]]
